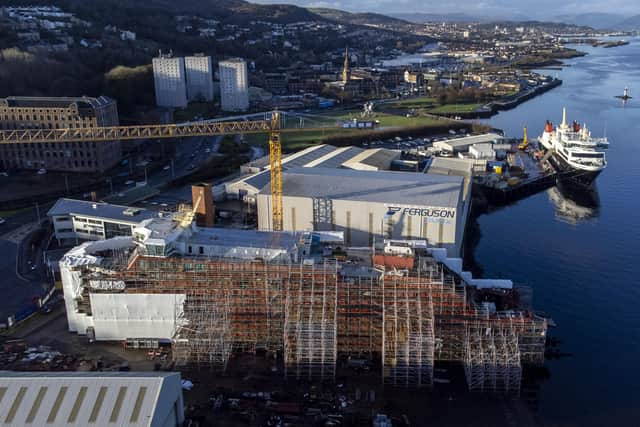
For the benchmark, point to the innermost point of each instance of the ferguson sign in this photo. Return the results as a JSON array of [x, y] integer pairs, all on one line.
[[434, 214]]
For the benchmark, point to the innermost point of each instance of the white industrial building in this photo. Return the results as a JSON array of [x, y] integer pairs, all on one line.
[[457, 145], [170, 81], [116, 315], [482, 151], [369, 205], [86, 220], [199, 70], [56, 399], [234, 85]]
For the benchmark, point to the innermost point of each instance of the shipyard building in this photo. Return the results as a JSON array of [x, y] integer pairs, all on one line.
[[366, 205], [209, 292], [355, 191]]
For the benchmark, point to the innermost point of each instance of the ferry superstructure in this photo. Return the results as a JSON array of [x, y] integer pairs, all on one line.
[[575, 153]]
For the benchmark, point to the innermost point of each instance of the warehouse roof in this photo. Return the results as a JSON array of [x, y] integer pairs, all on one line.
[[243, 238], [87, 398], [460, 143], [325, 156], [55, 102], [100, 210], [406, 188]]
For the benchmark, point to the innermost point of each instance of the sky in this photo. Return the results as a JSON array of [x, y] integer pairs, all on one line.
[[501, 8]]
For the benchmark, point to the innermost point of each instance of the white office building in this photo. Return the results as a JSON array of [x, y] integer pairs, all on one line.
[[170, 81], [199, 72], [234, 85]]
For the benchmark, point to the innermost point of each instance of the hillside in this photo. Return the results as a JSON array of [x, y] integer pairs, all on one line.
[[130, 12], [630, 24], [599, 21], [357, 18]]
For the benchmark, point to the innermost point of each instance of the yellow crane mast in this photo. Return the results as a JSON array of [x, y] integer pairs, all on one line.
[[525, 141], [275, 156]]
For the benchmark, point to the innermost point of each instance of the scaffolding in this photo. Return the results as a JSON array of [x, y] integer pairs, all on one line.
[[313, 313], [492, 359], [408, 336], [311, 323]]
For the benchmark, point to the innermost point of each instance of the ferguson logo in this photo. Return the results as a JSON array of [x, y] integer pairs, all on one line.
[[424, 212]]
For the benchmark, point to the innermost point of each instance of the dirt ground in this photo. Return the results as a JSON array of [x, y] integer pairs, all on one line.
[[252, 384]]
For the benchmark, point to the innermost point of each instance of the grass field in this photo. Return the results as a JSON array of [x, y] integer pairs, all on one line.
[[413, 103], [456, 108], [293, 140]]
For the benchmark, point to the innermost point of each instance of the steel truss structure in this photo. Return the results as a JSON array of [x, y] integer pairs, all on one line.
[[313, 314]]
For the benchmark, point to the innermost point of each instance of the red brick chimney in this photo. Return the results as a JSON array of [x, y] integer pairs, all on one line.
[[202, 200]]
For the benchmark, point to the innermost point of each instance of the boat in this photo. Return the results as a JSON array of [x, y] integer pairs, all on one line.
[[575, 154], [625, 95]]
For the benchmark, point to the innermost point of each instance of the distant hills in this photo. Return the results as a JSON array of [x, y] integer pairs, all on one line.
[[630, 24], [599, 21], [358, 18]]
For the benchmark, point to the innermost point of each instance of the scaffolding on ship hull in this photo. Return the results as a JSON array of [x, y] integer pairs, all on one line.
[[408, 320]]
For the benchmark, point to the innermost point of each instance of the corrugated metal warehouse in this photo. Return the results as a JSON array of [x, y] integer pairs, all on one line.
[[366, 205], [150, 399]]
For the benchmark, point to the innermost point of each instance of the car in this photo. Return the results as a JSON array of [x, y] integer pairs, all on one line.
[[130, 182], [208, 150], [42, 171], [4, 174], [164, 205], [2, 220], [154, 203], [166, 168]]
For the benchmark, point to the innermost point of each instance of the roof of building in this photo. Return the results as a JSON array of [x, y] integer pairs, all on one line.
[[406, 188], [55, 102], [450, 166], [468, 140], [243, 238], [84, 398], [100, 210], [378, 158], [326, 156]]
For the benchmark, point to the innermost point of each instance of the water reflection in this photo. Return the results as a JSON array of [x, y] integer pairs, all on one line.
[[573, 203]]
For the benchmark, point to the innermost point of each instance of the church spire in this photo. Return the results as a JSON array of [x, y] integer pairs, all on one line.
[[346, 73]]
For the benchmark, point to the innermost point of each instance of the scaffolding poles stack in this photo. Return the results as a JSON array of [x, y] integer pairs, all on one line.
[[310, 331], [492, 359], [407, 333]]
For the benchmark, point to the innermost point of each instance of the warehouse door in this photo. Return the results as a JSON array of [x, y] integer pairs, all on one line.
[[322, 214]]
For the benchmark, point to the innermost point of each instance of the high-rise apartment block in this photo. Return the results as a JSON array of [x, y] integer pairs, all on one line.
[[199, 72], [18, 112], [234, 85], [180, 80], [170, 81]]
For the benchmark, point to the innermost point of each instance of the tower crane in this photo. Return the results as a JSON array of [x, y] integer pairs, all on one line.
[[271, 126]]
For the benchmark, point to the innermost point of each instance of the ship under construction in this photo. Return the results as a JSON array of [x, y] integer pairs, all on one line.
[[306, 296]]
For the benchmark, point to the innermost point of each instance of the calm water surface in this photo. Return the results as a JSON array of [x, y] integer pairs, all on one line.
[[582, 262]]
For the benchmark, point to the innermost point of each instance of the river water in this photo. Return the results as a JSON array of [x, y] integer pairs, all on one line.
[[582, 261]]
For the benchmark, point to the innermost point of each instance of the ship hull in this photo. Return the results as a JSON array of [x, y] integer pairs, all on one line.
[[571, 175]]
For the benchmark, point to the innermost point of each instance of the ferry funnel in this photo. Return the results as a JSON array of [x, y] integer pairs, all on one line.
[[563, 125]]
